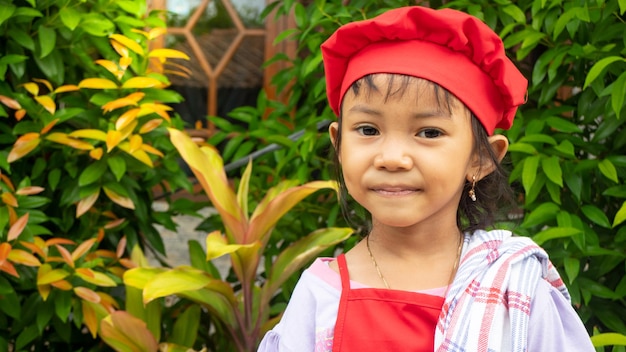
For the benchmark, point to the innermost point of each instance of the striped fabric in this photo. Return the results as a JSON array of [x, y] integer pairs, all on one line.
[[487, 308]]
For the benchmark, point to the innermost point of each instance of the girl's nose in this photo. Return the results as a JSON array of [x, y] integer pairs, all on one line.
[[393, 156]]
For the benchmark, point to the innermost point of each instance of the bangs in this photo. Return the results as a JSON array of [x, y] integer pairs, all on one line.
[[397, 86]]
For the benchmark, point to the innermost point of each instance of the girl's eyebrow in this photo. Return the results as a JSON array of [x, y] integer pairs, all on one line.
[[420, 114]]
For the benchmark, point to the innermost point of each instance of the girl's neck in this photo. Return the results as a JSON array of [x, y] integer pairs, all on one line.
[[409, 242]]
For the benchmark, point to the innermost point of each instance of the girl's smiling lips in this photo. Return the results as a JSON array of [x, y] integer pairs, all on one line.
[[394, 190]]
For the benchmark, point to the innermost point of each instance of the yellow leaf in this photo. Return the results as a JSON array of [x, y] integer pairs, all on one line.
[[126, 118], [86, 203], [108, 65], [121, 50], [126, 61], [118, 103], [126, 333], [89, 318], [150, 125], [44, 82], [67, 257], [9, 199], [67, 88], [7, 181], [83, 248], [113, 139], [49, 126], [62, 285], [17, 228], [118, 199], [64, 139], [137, 154], [89, 133], [46, 275], [29, 191], [87, 294], [136, 96], [208, 167], [10, 103], [44, 291], [135, 143], [168, 54], [96, 153], [97, 83], [143, 82], [32, 88], [19, 114], [156, 32], [217, 246], [96, 277], [150, 149], [175, 281], [140, 277], [47, 103], [127, 42], [19, 256], [5, 249], [24, 145], [159, 109]]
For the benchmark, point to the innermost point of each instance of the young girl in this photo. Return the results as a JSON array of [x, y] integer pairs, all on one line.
[[419, 93]]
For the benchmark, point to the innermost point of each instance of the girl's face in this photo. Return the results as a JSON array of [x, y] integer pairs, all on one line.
[[405, 154]]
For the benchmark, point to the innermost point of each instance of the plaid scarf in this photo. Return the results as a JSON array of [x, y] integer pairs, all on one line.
[[487, 307]]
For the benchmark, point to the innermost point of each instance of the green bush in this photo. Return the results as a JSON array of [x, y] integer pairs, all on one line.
[[83, 145], [567, 144]]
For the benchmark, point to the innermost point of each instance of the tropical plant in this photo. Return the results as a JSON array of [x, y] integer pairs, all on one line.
[[567, 145], [83, 107], [242, 308]]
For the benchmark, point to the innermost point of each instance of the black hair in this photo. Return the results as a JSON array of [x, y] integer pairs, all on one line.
[[494, 195]]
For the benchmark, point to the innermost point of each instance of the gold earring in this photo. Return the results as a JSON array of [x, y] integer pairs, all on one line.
[[472, 192]]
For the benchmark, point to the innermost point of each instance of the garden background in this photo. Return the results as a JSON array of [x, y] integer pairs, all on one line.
[[89, 140]]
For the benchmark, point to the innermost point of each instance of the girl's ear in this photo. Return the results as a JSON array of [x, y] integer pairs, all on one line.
[[332, 130], [499, 144]]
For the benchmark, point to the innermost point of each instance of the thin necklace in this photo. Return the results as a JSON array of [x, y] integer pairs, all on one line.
[[380, 274]]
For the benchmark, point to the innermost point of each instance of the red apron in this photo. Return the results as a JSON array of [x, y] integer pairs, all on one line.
[[378, 320]]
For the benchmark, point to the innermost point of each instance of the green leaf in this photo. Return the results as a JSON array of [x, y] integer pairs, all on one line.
[[523, 148], [552, 168], [136, 8], [299, 254], [541, 214], [622, 6], [92, 173], [175, 281], [529, 173], [609, 338], [596, 215], [70, 17], [117, 165], [10, 305], [554, 232], [186, 327], [47, 40], [25, 337], [562, 125], [572, 267], [566, 147], [620, 216], [608, 170], [6, 11], [618, 93], [515, 12], [52, 66], [598, 68], [97, 25]]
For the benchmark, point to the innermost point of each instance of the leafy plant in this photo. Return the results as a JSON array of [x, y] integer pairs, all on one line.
[[241, 308], [83, 109]]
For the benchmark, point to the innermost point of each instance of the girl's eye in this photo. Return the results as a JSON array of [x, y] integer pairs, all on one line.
[[429, 133], [367, 130]]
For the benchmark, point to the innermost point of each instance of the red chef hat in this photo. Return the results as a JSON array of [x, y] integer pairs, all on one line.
[[448, 47]]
